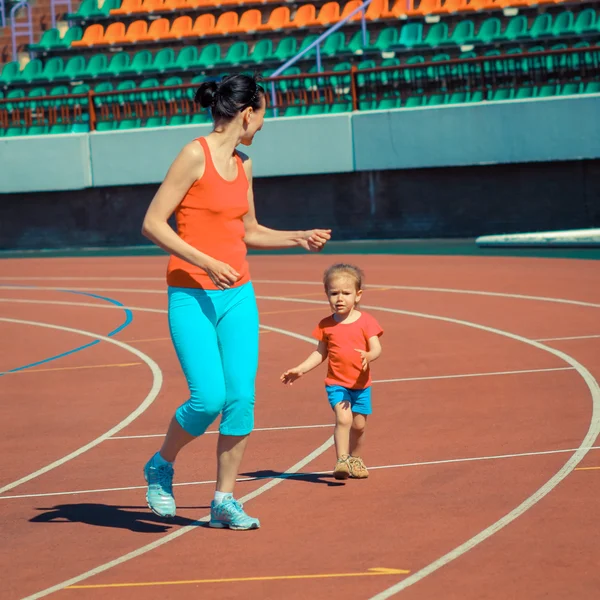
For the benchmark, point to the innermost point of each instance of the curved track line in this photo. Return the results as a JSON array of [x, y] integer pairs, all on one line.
[[568, 467], [392, 287], [152, 394]]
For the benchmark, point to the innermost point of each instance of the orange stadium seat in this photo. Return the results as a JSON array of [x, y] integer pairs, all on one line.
[[175, 4], [329, 13], [278, 19], [158, 29], [92, 36], [451, 6], [425, 7], [226, 23], [137, 32], [480, 5], [375, 10], [203, 25], [250, 21], [114, 34], [150, 6], [182, 27], [307, 13]]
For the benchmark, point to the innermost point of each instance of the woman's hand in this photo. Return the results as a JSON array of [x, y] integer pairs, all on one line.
[[291, 375], [220, 273], [314, 240]]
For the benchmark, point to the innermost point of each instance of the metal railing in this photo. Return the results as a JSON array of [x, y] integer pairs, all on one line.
[[334, 91], [18, 29]]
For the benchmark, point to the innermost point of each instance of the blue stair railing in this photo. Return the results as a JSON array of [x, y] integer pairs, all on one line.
[[23, 28]]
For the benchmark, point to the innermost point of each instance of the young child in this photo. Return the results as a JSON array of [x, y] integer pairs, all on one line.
[[350, 339]]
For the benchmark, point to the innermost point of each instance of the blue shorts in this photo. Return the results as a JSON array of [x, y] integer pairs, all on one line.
[[360, 400], [215, 334]]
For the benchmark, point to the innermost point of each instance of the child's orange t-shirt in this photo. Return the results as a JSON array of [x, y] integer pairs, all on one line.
[[342, 340]]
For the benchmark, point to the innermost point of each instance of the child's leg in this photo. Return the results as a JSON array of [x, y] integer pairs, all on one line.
[[357, 433], [343, 424]]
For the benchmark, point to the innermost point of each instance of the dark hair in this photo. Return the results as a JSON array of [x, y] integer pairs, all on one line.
[[343, 269], [231, 95]]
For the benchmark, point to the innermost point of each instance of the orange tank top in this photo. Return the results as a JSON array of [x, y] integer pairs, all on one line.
[[210, 218]]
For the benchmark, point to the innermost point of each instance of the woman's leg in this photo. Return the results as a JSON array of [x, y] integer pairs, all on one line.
[[192, 319], [238, 338]]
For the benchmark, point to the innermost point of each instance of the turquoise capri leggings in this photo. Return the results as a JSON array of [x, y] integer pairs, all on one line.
[[215, 334]]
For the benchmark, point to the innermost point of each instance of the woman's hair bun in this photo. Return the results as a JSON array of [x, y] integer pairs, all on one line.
[[205, 95]]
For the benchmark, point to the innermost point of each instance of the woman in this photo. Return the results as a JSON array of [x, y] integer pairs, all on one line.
[[213, 317]]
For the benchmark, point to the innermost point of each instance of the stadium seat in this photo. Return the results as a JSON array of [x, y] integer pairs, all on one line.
[[305, 14], [425, 7], [516, 28], [115, 34], [436, 36], [451, 6], [53, 69], [249, 22], [75, 68], [570, 89], [97, 65], [236, 55], [463, 31], [181, 27], [286, 48], [410, 34], [164, 60], [386, 39], [118, 64], [262, 51], [226, 24], [278, 19], [186, 59], [156, 122], [210, 56], [32, 71], [92, 36], [586, 22], [592, 87], [11, 72], [488, 31], [541, 27], [50, 39], [203, 25], [137, 32], [140, 63], [333, 44], [563, 24], [37, 130], [127, 7], [329, 13], [158, 29]]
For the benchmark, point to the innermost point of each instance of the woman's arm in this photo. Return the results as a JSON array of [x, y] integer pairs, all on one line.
[[312, 362], [185, 170], [257, 236]]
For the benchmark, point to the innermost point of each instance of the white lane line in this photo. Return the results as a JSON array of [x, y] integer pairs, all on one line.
[[308, 473], [286, 428], [411, 288], [567, 468], [151, 396], [96, 278], [463, 375], [574, 337], [176, 534]]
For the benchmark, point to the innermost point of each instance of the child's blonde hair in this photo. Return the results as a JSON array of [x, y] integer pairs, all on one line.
[[344, 269]]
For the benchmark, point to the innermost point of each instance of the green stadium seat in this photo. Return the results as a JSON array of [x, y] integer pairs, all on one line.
[[286, 48], [73, 34], [503, 94], [53, 69], [262, 51], [164, 60], [441, 70], [340, 107], [129, 124], [293, 111], [105, 126], [525, 92], [236, 55], [436, 36], [414, 74], [317, 109], [387, 77], [149, 96], [97, 65], [118, 63], [80, 128], [210, 56], [410, 34], [362, 79], [586, 22], [458, 98], [333, 44], [126, 86], [547, 90], [386, 40], [437, 99], [355, 45], [156, 122], [307, 41], [488, 31], [50, 39], [516, 28], [32, 71], [336, 80], [15, 95], [37, 92], [563, 24], [58, 128], [140, 63], [87, 9], [570, 89], [37, 130], [15, 131], [413, 101], [389, 103], [170, 95], [83, 88], [10, 73], [592, 87], [105, 86], [476, 96], [542, 27], [179, 120], [463, 31], [75, 68]]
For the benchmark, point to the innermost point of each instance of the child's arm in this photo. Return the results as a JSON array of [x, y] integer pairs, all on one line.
[[313, 361], [373, 354]]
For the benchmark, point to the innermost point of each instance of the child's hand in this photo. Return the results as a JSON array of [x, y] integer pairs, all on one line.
[[291, 375], [364, 355]]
